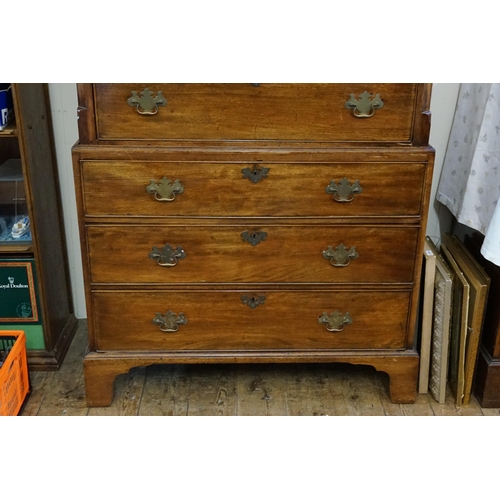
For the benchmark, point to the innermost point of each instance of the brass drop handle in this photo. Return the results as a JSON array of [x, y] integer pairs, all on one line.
[[165, 190], [341, 256], [147, 103], [344, 191], [167, 256], [364, 106], [169, 322], [335, 321]]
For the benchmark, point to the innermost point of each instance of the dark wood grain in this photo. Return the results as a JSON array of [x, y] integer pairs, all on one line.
[[62, 393], [204, 137], [167, 391], [212, 392], [490, 338], [422, 123], [313, 389], [40, 386], [308, 392], [244, 112], [218, 254], [86, 114], [9, 147], [245, 152], [360, 394], [421, 407], [219, 190], [220, 321], [129, 390], [487, 381], [44, 194], [261, 390], [41, 184]]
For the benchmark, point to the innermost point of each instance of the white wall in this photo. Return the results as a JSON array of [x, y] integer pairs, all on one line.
[[64, 104], [443, 102]]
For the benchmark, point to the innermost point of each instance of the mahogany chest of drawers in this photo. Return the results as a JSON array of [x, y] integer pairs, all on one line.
[[236, 223]]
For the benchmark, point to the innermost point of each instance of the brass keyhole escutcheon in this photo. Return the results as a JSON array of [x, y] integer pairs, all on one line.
[[254, 237], [255, 174], [253, 301]]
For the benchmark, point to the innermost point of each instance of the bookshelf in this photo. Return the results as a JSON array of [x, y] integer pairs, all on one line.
[[29, 191]]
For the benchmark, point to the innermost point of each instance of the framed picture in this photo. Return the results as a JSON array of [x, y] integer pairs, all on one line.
[[479, 284], [441, 327], [459, 327], [18, 301], [429, 264]]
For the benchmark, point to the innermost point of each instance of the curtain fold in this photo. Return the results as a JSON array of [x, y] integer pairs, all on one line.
[[470, 179]]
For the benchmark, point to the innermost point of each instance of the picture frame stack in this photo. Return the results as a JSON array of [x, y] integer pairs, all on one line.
[[453, 309], [440, 329]]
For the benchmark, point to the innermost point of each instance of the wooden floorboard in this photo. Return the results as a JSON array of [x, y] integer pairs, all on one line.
[[128, 393], [260, 390], [64, 390], [308, 391], [230, 390], [212, 391], [166, 391]]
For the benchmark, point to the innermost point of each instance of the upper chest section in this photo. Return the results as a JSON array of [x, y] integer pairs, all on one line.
[[266, 113]]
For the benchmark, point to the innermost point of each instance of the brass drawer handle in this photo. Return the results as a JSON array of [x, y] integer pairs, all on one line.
[[165, 190], [364, 107], [341, 256], [335, 321], [253, 301], [148, 103], [169, 322], [344, 192], [255, 174], [254, 237], [167, 256]]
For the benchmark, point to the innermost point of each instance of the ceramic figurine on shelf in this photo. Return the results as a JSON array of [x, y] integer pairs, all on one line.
[[20, 227]]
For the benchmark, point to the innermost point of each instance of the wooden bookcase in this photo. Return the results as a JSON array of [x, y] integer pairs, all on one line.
[[29, 140]]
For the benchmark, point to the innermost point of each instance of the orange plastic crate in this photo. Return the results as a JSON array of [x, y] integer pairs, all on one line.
[[14, 378]]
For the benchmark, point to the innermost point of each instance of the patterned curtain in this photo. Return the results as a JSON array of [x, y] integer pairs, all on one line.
[[470, 179]]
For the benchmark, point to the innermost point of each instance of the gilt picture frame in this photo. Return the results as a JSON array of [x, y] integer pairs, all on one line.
[[479, 283], [459, 328], [441, 326]]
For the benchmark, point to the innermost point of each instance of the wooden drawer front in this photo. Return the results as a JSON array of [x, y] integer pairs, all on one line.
[[219, 254], [308, 112], [114, 188], [221, 321]]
